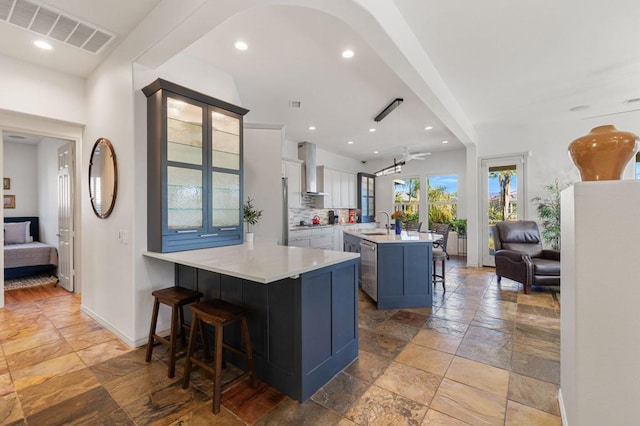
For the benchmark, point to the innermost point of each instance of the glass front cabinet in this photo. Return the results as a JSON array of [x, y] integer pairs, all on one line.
[[367, 197], [194, 169]]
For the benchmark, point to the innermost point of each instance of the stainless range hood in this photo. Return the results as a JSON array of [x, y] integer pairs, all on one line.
[[307, 153]]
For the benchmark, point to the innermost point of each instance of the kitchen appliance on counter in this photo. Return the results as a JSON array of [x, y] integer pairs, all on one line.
[[316, 220], [333, 217], [352, 216]]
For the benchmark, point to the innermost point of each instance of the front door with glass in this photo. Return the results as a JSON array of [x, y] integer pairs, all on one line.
[[502, 187]]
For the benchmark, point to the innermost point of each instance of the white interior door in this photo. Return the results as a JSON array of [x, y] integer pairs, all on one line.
[[502, 188], [65, 216]]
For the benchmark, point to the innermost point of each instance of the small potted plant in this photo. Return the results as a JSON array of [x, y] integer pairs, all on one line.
[[251, 216], [398, 216]]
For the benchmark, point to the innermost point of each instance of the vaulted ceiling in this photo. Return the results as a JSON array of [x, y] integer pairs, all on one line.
[[515, 62]]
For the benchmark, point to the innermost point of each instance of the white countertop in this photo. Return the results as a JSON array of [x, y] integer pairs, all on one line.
[[381, 236], [261, 262]]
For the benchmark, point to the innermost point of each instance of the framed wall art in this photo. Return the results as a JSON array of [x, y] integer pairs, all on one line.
[[9, 201], [6, 183]]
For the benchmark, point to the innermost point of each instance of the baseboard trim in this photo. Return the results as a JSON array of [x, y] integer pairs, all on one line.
[[563, 412], [126, 339]]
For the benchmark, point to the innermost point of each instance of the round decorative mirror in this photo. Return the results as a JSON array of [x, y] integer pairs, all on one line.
[[103, 178]]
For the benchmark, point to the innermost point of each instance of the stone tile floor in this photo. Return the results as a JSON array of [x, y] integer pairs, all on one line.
[[484, 354]]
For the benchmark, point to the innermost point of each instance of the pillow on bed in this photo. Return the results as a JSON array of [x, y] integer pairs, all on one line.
[[17, 232]]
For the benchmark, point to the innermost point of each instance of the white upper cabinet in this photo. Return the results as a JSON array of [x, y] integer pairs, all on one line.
[[340, 187], [353, 190], [292, 170]]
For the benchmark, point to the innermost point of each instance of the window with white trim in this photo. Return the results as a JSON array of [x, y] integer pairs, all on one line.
[[442, 198]]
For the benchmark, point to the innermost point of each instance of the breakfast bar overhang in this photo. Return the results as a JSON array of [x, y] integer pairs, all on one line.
[[302, 303]]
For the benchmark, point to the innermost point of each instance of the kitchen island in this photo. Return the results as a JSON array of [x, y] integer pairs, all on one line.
[[302, 303], [395, 270]]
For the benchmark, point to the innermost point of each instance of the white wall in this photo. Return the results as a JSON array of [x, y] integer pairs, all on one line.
[[107, 269], [185, 70], [48, 189], [598, 344], [262, 173], [34, 90], [336, 161], [21, 166], [289, 147], [323, 158], [547, 144]]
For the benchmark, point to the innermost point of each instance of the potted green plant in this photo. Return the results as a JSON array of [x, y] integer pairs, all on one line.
[[252, 217], [549, 213], [459, 226]]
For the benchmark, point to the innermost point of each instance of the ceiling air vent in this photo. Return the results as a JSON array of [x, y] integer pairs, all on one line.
[[46, 21], [295, 104]]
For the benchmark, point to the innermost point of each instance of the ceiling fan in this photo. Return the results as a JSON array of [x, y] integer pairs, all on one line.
[[408, 156]]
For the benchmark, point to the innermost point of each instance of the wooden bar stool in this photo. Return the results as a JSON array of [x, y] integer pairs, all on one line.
[[439, 256], [176, 297], [219, 314]]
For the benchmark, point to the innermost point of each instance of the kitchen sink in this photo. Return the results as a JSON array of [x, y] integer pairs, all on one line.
[[374, 233]]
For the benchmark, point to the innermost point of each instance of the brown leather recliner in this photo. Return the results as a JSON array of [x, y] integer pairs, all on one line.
[[519, 255]]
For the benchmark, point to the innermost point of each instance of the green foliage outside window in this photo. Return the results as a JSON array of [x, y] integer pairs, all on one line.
[[503, 206], [407, 198], [445, 212]]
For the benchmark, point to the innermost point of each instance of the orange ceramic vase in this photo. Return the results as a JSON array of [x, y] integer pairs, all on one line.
[[603, 153]]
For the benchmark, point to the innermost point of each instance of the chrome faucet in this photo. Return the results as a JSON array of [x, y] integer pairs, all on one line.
[[388, 221]]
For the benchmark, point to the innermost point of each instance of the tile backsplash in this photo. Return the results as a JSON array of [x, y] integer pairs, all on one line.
[[307, 212]]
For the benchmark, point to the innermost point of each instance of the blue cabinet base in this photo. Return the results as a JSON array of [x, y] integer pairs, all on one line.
[[303, 330], [404, 275]]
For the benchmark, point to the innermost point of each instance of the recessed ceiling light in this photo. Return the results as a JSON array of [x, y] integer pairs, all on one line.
[[376, 152], [428, 128], [579, 108], [43, 45], [349, 142], [372, 129], [445, 141], [347, 54], [312, 127], [241, 45]]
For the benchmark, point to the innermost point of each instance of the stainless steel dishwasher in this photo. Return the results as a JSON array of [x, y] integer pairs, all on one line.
[[369, 268]]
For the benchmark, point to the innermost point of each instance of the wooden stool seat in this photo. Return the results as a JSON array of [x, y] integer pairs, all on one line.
[[219, 314], [176, 298]]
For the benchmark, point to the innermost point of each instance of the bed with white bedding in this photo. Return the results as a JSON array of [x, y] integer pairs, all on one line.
[[24, 254]]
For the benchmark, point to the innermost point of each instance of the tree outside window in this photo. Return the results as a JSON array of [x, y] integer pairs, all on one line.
[[442, 194], [406, 198], [503, 195]]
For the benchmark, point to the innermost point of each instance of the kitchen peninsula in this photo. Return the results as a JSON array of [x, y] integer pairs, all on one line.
[[302, 303], [395, 270]]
